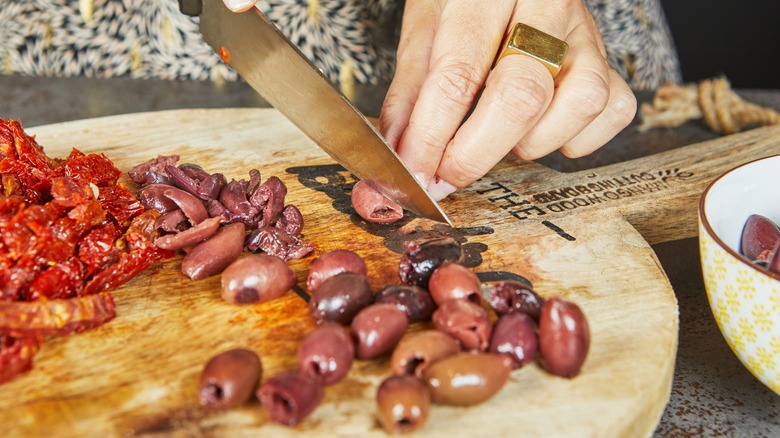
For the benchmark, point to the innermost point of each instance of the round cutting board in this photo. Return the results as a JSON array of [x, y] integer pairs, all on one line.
[[569, 235]]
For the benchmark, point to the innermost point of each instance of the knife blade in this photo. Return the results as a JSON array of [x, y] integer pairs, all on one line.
[[253, 46]]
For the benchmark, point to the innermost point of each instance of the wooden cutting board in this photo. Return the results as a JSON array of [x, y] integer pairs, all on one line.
[[583, 236]]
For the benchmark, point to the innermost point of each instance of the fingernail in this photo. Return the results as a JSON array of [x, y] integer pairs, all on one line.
[[440, 189], [422, 179], [239, 5]]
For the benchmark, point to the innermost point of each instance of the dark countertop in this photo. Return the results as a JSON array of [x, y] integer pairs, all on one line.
[[712, 393]]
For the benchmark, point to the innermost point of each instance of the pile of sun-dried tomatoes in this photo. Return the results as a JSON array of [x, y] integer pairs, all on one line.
[[69, 233]]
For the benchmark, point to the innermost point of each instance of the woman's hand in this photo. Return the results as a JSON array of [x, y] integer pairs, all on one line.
[[240, 5], [446, 51]]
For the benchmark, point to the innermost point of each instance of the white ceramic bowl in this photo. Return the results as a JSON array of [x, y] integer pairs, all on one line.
[[744, 298]]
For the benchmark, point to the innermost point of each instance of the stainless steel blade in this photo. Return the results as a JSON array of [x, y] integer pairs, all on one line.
[[276, 69]]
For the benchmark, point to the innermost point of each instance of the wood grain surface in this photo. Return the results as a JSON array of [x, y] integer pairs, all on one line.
[[583, 236]]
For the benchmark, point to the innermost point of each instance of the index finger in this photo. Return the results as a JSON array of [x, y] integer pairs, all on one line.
[[463, 50]]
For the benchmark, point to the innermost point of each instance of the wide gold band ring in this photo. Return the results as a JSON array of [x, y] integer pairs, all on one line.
[[528, 41]]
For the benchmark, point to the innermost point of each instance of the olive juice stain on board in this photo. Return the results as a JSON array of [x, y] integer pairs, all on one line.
[[336, 182]]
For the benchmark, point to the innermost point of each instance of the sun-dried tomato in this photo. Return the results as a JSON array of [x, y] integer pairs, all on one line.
[[16, 355], [56, 317], [98, 248], [16, 144], [94, 168], [69, 192], [140, 239], [120, 202], [68, 235], [28, 181], [12, 280], [63, 280]]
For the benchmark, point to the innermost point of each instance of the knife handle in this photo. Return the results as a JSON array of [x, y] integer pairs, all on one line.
[[191, 7]]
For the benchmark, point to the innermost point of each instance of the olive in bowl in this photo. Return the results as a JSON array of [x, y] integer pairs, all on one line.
[[744, 295]]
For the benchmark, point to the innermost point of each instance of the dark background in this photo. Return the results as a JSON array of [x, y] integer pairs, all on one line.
[[738, 39]]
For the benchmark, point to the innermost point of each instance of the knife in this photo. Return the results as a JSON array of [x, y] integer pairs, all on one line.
[[272, 65]]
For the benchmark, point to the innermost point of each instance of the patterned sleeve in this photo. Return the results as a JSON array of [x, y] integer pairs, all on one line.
[[349, 40], [638, 41]]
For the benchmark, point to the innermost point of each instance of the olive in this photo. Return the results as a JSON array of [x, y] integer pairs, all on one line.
[[420, 258], [326, 353], [759, 235], [216, 253], [290, 396], [514, 334], [466, 379], [467, 322], [340, 298], [229, 378], [377, 329], [256, 278], [373, 206], [403, 403], [454, 281], [332, 263], [414, 300], [564, 337], [418, 350], [514, 296]]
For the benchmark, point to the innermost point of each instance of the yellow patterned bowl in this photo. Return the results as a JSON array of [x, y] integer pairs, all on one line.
[[744, 298]]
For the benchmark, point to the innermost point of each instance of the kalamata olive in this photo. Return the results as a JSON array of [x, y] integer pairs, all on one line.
[[152, 197], [183, 180], [326, 353], [514, 334], [192, 207], [172, 222], [514, 296], [229, 379], [403, 403], [340, 298], [290, 396], [466, 379], [418, 350], [467, 322], [373, 206], [290, 220], [193, 171], [153, 170], [271, 196], [421, 258], [189, 237], [256, 278], [216, 253], [377, 329], [275, 241], [564, 337], [758, 235], [414, 300], [332, 263], [454, 281]]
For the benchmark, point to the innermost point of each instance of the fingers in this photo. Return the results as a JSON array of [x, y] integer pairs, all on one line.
[[619, 112], [516, 94], [463, 49], [581, 95], [240, 5], [413, 58], [521, 109]]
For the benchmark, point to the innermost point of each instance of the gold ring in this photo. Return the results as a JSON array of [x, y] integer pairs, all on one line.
[[528, 41]]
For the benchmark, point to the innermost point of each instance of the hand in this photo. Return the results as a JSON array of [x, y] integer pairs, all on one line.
[[445, 54], [240, 5]]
